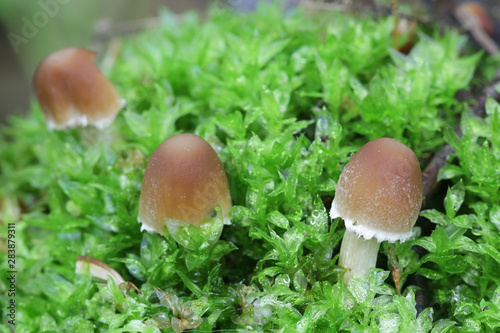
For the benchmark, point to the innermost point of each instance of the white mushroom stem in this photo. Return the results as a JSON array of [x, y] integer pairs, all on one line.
[[357, 255]]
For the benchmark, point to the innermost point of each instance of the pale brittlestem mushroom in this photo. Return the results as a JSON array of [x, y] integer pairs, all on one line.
[[185, 189], [379, 196], [99, 270], [72, 91]]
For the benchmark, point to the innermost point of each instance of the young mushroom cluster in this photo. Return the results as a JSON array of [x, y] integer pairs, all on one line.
[[184, 185], [73, 92], [379, 196]]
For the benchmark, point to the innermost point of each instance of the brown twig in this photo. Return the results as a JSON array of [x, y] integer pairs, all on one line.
[[468, 16], [105, 31], [361, 7], [429, 175]]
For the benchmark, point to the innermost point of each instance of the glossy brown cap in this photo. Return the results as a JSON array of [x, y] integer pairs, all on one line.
[[72, 91], [379, 192], [184, 180]]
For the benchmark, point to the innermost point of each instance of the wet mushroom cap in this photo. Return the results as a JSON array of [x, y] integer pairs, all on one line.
[[379, 193], [72, 91], [184, 180]]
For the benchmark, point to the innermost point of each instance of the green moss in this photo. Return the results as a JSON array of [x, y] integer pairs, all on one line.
[[284, 100]]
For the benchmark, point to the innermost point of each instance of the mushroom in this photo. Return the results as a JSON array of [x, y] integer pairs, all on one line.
[[379, 196], [73, 92], [97, 269], [183, 183]]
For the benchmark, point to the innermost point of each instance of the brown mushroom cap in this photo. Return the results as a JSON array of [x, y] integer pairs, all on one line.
[[72, 91], [184, 180], [379, 193]]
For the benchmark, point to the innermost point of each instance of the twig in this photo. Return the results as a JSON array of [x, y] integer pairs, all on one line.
[[111, 54], [321, 6], [353, 7], [104, 31], [429, 176], [489, 91], [469, 20]]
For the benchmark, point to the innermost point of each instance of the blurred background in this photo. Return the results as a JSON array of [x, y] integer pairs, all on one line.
[[31, 29]]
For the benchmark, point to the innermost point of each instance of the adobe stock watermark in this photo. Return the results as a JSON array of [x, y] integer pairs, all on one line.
[[31, 25]]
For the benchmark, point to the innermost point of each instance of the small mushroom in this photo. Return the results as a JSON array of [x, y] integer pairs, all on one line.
[[184, 182], [97, 269], [379, 196], [73, 92]]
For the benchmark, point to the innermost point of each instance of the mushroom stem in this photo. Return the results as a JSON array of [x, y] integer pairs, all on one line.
[[357, 255]]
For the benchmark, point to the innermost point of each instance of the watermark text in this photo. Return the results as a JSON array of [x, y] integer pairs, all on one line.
[[11, 274]]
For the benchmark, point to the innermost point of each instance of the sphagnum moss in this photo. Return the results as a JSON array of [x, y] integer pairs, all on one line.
[[284, 100]]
